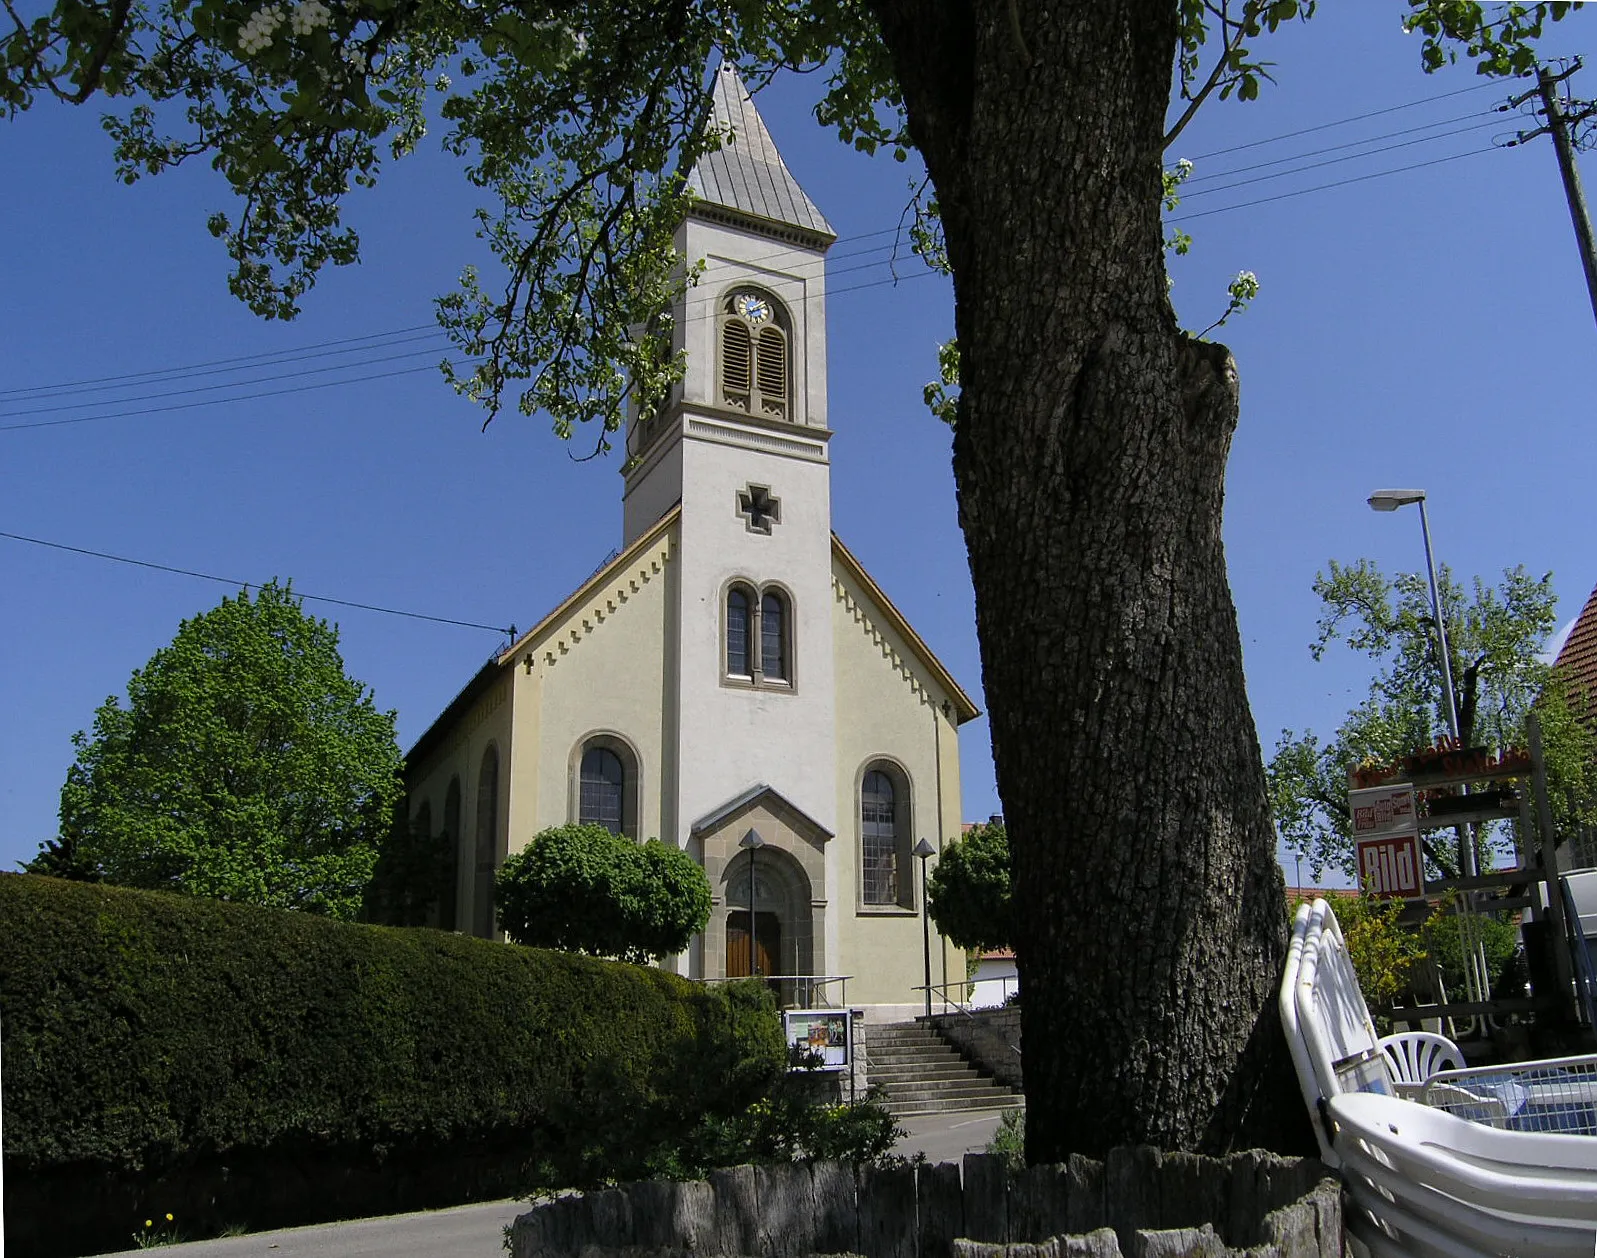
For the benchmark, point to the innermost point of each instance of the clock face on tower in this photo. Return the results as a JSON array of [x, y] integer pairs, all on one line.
[[754, 309]]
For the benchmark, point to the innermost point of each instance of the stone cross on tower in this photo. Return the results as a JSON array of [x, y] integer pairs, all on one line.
[[759, 509]]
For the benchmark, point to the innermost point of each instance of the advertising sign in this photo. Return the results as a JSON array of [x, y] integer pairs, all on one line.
[[1390, 868], [1386, 838], [818, 1038], [1384, 810]]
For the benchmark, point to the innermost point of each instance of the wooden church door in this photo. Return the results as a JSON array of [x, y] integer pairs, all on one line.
[[767, 939]]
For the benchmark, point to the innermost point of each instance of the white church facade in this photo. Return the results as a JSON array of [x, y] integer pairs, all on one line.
[[734, 668]]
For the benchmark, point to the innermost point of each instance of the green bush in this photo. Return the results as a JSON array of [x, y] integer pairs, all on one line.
[[146, 1030], [790, 1123], [585, 889]]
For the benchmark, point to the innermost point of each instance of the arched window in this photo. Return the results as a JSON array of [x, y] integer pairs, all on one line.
[[446, 910], [482, 900], [603, 790], [605, 784], [759, 636], [738, 623], [754, 354], [773, 637], [884, 814], [879, 838]]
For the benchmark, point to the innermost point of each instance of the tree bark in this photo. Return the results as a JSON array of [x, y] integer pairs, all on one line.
[[1090, 456]]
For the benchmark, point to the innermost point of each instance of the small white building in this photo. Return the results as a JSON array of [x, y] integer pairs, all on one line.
[[734, 667]]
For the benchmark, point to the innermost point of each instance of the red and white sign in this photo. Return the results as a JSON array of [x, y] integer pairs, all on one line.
[[1383, 810], [1387, 842], [1390, 868]]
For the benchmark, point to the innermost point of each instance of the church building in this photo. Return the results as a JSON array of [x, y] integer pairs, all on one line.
[[733, 682]]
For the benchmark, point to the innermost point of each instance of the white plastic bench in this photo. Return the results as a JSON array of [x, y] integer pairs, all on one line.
[[1427, 1183]]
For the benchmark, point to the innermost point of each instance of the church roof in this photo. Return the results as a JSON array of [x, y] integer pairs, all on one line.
[[746, 174], [1578, 656], [964, 708], [490, 672]]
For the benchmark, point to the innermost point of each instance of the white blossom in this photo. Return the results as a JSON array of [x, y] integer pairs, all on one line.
[[308, 15], [256, 36]]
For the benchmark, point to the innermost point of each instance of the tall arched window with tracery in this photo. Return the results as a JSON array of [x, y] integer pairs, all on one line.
[[886, 823], [754, 342], [879, 838], [603, 790], [605, 784], [482, 899], [446, 911]]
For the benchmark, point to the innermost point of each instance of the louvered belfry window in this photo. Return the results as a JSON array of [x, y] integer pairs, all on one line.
[[771, 372], [754, 346], [737, 368]]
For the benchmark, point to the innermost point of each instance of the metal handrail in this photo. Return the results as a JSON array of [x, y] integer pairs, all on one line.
[[814, 981], [960, 1006]]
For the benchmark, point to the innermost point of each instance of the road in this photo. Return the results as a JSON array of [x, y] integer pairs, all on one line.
[[477, 1231]]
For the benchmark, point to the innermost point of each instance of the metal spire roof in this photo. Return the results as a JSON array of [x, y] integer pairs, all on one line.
[[746, 174]]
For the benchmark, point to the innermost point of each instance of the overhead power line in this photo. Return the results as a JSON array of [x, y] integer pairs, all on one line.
[[240, 397], [252, 585], [1339, 183], [1337, 148], [1337, 161], [1343, 122]]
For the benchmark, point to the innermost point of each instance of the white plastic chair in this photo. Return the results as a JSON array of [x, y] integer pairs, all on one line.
[[1414, 1056], [1425, 1182]]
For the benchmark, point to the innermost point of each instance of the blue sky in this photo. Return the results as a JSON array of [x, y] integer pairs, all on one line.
[[1429, 328]]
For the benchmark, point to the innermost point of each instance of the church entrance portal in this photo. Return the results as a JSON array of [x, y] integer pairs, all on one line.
[[767, 942]]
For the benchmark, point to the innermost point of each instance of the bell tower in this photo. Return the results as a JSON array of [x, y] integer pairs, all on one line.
[[741, 445], [754, 326]]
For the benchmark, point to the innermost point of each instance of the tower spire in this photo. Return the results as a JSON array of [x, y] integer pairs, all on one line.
[[745, 180]]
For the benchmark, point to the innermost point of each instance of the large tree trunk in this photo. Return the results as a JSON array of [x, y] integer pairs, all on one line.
[[1090, 459]]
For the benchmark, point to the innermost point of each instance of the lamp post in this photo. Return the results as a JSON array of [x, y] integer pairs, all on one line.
[[923, 849], [751, 843], [1391, 500]]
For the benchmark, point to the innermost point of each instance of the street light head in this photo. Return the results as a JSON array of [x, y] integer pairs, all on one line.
[[751, 840], [1392, 499], [923, 849]]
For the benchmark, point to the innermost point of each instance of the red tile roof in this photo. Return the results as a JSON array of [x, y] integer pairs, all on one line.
[[1578, 656]]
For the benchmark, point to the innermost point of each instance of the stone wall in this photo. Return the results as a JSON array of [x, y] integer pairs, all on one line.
[[1140, 1203], [987, 1038]]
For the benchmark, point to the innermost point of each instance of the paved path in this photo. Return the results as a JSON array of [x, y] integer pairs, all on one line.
[[478, 1231], [947, 1137], [475, 1231]]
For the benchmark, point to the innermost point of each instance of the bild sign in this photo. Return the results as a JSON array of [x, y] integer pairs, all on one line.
[[1386, 839]]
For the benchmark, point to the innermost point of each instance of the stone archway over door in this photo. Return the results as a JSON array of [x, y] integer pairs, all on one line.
[[783, 920], [789, 883]]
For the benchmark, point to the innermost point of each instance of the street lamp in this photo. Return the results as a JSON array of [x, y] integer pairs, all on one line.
[[923, 849], [1391, 500], [751, 843]]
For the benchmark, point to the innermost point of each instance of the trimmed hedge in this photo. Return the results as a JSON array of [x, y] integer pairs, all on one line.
[[150, 1035]]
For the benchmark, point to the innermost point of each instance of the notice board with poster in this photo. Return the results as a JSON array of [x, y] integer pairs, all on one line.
[[818, 1038], [1386, 840]]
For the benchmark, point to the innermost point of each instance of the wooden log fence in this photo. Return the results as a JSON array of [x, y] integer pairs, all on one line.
[[1139, 1203]]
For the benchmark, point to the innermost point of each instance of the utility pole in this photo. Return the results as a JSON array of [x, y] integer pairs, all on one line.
[[1560, 126]]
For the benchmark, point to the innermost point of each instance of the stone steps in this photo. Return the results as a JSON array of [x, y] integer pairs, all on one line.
[[921, 1074]]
